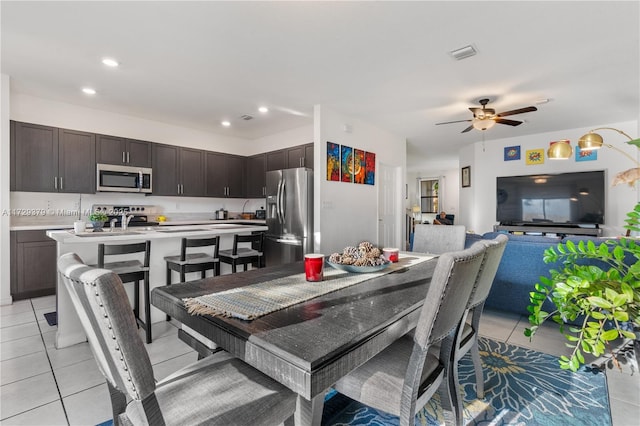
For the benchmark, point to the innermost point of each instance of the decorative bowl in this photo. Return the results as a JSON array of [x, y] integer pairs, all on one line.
[[359, 269]]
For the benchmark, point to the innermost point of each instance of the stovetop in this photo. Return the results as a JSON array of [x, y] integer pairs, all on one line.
[[118, 210]]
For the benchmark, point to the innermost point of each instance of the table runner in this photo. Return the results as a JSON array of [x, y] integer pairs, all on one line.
[[254, 301]]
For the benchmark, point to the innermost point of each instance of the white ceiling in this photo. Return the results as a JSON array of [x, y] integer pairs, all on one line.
[[197, 63]]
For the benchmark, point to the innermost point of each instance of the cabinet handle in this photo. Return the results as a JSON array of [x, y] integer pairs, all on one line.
[[128, 158], [123, 160], [55, 182], [178, 189], [182, 189], [61, 183]]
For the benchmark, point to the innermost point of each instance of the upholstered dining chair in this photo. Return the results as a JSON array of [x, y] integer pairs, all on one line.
[[438, 239], [403, 377], [468, 333], [217, 390]]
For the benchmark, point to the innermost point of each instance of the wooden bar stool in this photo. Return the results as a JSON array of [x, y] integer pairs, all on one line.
[[131, 271], [244, 255], [194, 262]]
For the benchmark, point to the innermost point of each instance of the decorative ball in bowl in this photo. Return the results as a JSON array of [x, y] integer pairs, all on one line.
[[361, 259]]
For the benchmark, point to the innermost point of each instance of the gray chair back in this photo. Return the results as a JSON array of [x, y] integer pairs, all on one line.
[[438, 239], [453, 281], [101, 302], [489, 268]]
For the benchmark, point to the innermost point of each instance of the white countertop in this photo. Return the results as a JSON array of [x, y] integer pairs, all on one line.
[[153, 232], [30, 225]]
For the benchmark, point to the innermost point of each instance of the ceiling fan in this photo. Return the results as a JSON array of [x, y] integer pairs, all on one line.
[[484, 118]]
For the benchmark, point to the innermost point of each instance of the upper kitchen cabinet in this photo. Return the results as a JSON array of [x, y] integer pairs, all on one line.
[[178, 171], [122, 151], [225, 175], [289, 158], [48, 159], [256, 178], [300, 156]]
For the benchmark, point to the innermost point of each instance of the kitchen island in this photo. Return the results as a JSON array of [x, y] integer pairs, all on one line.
[[165, 241]]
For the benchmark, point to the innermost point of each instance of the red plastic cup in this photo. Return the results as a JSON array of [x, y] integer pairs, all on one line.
[[314, 266], [391, 254]]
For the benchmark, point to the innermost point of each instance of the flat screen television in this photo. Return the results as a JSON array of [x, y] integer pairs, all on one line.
[[551, 199]]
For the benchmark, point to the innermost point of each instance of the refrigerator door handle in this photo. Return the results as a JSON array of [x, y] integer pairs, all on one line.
[[290, 242], [279, 202], [283, 205]]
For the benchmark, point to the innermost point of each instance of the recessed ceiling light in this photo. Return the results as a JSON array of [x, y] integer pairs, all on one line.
[[263, 109], [89, 90], [110, 62], [226, 123]]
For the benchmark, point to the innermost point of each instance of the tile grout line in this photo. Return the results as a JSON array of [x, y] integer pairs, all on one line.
[[55, 380]]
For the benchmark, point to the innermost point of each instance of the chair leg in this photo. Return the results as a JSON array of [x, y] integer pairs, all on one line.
[[136, 299], [477, 366], [147, 309], [168, 283], [233, 267], [118, 403], [217, 269], [203, 274], [182, 274]]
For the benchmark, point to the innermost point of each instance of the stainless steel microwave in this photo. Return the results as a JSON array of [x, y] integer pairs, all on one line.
[[115, 178]]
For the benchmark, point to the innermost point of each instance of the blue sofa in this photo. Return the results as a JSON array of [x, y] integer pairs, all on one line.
[[520, 268]]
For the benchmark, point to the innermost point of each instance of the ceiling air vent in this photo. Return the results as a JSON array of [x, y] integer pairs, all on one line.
[[463, 52], [246, 117]]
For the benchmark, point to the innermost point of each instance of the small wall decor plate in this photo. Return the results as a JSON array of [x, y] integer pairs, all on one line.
[[359, 269]]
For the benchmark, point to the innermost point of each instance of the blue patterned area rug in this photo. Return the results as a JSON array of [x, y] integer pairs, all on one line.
[[522, 387]]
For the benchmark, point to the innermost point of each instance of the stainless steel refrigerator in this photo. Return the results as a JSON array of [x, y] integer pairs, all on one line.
[[289, 215]]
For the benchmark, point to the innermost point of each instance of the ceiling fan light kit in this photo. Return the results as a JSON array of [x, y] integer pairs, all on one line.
[[483, 124], [485, 118]]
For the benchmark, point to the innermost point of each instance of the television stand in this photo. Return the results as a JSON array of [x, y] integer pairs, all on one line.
[[544, 230]]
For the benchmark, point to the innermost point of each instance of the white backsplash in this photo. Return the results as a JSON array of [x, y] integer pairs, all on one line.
[[61, 208]]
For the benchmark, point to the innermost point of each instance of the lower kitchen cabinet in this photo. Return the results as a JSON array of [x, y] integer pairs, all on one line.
[[33, 264]]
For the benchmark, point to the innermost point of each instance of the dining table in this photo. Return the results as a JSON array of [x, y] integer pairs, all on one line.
[[310, 345]]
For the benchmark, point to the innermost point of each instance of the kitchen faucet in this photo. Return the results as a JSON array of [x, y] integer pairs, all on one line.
[[112, 224], [125, 220]]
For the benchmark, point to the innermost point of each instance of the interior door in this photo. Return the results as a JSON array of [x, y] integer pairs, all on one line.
[[389, 205]]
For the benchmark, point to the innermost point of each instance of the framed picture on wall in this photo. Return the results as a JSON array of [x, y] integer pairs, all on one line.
[[466, 177]]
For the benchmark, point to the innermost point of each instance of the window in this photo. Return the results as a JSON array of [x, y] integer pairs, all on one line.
[[429, 195]]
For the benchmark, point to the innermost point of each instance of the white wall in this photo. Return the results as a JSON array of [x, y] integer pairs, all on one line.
[[298, 136], [346, 213], [478, 203], [5, 203]]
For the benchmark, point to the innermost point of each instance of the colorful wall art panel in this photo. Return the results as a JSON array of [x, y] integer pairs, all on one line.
[[511, 153], [370, 168], [333, 161], [359, 166], [534, 157], [586, 154], [346, 171]]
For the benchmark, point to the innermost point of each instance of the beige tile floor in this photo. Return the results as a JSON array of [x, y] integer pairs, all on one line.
[[41, 385]]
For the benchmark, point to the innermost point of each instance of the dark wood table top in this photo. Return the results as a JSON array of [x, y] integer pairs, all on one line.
[[308, 346]]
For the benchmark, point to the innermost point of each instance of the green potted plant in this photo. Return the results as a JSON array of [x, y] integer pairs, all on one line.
[[604, 301], [97, 220]]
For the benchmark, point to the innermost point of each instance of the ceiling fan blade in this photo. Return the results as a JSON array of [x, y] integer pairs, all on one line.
[[517, 111], [467, 129], [509, 122], [457, 121]]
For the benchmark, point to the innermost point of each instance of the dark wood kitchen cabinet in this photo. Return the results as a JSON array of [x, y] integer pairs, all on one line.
[[178, 171], [33, 264], [289, 158], [300, 156], [256, 176], [48, 159], [225, 175], [122, 151]]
